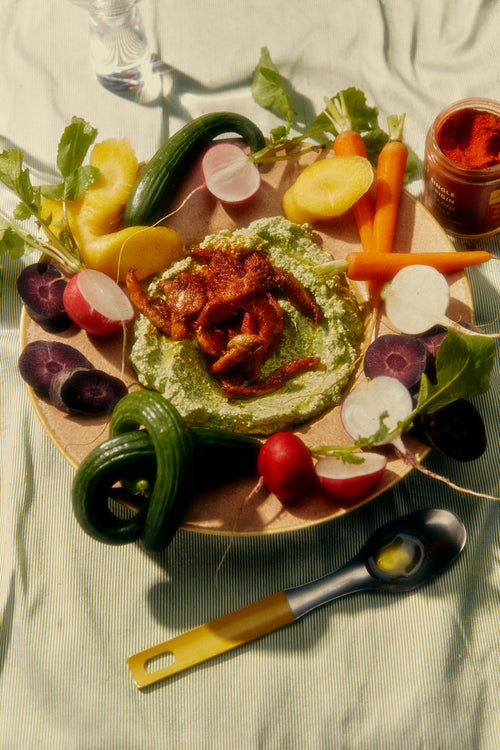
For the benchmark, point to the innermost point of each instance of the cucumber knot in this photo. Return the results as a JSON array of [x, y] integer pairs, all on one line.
[[148, 440]]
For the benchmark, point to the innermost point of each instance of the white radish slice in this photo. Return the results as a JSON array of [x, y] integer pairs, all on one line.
[[350, 480], [364, 406], [96, 303], [417, 299], [229, 174]]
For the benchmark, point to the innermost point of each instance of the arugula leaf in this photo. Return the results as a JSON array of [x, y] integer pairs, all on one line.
[[268, 89], [463, 369]]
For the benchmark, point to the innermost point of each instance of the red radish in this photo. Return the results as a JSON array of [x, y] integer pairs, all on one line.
[[285, 465], [349, 480], [96, 303], [229, 174]]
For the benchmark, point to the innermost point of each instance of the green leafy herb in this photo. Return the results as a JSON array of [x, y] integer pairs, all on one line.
[[347, 453], [463, 369], [347, 110], [73, 146], [75, 141], [269, 91]]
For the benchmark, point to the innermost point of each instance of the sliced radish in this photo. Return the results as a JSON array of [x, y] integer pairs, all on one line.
[[350, 480], [229, 174], [417, 299], [85, 391], [397, 355], [364, 407], [96, 303]]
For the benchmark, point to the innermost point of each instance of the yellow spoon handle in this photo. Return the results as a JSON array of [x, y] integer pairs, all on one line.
[[211, 639]]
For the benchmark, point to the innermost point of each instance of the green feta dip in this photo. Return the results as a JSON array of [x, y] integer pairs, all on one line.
[[178, 369]]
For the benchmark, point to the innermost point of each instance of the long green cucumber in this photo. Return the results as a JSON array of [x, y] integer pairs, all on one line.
[[159, 181]]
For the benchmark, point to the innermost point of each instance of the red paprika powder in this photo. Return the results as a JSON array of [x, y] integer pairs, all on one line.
[[462, 168], [471, 138]]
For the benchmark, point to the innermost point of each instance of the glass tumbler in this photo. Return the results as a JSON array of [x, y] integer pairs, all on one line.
[[119, 49]]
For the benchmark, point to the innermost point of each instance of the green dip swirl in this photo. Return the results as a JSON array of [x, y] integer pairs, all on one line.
[[178, 369]]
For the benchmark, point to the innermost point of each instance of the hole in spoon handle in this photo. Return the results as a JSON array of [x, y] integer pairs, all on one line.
[[211, 639]]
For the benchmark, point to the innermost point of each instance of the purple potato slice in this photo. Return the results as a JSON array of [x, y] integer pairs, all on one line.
[[397, 356], [86, 391], [41, 360], [41, 287]]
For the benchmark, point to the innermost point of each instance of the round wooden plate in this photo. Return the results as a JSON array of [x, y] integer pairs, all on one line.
[[234, 508]]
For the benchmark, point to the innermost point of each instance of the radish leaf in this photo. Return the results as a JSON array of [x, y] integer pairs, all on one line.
[[74, 185], [10, 241], [74, 144], [268, 89], [463, 368]]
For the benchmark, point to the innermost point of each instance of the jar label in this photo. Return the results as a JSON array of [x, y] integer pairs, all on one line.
[[493, 212], [443, 197]]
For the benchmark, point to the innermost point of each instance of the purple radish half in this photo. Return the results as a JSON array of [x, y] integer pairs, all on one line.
[[397, 356], [86, 391], [41, 287], [433, 339], [456, 430], [41, 360]]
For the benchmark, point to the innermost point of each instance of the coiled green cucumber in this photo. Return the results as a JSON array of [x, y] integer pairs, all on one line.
[[167, 454]]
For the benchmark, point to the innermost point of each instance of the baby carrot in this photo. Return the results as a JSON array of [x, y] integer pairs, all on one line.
[[380, 267], [391, 166], [350, 143]]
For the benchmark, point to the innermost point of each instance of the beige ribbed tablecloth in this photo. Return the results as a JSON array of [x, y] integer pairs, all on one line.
[[369, 672]]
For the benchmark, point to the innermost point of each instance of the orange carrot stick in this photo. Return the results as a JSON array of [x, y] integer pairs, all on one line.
[[380, 267], [350, 143], [391, 166]]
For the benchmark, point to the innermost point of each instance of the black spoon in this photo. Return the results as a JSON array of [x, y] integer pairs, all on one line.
[[401, 555]]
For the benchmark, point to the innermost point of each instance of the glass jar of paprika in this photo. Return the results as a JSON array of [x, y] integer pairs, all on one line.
[[462, 168]]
